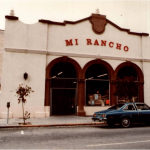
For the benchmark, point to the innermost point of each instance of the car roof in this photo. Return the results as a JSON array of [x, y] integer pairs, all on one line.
[[133, 103]]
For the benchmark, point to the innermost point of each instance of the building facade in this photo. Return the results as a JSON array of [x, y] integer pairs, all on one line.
[[74, 68], [1, 54]]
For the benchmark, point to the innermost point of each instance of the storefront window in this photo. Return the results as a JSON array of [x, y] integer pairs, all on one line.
[[97, 86], [97, 93], [127, 85]]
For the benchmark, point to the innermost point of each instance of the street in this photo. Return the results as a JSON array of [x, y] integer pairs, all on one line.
[[79, 137]]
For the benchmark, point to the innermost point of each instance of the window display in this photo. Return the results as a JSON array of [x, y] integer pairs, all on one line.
[[97, 85], [101, 96], [127, 86]]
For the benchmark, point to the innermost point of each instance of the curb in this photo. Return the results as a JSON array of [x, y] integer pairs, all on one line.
[[52, 125]]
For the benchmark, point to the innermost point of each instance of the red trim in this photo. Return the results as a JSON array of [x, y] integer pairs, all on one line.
[[128, 63], [99, 61], [12, 17], [98, 23], [111, 77], [80, 88], [63, 23], [63, 59], [81, 20], [81, 80], [127, 30], [140, 77], [51, 22], [89, 18]]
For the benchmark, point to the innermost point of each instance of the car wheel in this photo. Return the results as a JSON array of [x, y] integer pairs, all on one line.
[[125, 122]]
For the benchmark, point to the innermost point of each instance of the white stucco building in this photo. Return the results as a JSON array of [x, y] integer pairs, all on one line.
[[72, 67], [1, 54]]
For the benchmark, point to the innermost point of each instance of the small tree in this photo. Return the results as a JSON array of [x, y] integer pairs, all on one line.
[[22, 92]]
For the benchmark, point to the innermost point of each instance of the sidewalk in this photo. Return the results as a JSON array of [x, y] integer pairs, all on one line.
[[49, 121]]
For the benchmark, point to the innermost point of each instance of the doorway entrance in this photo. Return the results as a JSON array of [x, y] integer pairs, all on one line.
[[63, 102], [63, 89]]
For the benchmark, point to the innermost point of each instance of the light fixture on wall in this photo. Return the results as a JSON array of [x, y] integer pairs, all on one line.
[[54, 77], [59, 73], [102, 75], [25, 75]]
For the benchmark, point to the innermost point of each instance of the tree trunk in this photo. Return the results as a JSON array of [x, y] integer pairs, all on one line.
[[23, 112]]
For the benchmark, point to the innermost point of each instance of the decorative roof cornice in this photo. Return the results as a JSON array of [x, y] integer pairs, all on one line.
[[127, 30], [12, 17], [78, 21], [89, 18], [63, 23]]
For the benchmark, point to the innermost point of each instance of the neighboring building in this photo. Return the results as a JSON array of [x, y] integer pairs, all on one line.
[[1, 53], [73, 67]]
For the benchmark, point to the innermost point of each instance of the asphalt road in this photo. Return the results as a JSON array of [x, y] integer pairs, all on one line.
[[85, 137]]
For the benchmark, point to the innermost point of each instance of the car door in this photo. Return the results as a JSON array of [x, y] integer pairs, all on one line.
[[130, 111], [144, 112]]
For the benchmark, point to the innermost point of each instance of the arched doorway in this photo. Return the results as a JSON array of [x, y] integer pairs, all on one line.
[[61, 87], [98, 83], [129, 83]]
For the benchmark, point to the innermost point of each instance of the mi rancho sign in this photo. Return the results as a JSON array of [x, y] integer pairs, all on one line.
[[96, 42]]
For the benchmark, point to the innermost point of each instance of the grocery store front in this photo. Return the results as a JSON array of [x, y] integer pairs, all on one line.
[[72, 87], [74, 68], [92, 87]]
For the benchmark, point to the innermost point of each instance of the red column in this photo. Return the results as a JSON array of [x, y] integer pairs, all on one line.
[[47, 92], [81, 97], [112, 91], [141, 92]]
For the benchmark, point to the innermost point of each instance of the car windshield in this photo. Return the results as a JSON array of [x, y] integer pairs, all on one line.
[[117, 106]]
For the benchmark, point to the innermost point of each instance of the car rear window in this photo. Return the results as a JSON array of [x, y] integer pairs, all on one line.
[[117, 106], [142, 107]]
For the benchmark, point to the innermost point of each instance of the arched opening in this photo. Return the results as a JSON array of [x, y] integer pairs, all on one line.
[[129, 83], [97, 85], [72, 72], [63, 86]]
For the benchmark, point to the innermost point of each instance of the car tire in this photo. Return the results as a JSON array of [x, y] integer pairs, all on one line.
[[125, 122]]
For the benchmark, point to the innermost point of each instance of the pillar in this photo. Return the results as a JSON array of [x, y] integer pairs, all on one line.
[[81, 97]]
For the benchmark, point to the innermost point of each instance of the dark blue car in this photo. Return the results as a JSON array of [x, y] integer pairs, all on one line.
[[124, 114]]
